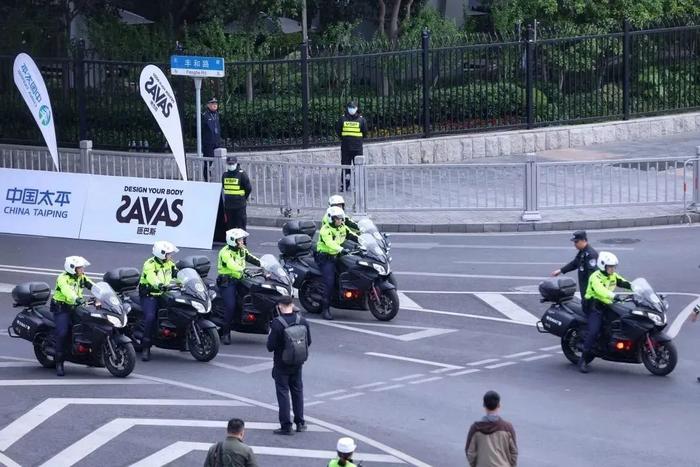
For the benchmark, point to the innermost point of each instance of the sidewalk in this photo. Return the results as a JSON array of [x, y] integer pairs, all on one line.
[[552, 219]]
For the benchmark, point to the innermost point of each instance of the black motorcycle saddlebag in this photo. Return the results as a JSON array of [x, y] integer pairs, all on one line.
[[299, 227], [31, 294], [557, 289], [122, 279], [293, 246], [201, 264], [26, 324], [557, 320]]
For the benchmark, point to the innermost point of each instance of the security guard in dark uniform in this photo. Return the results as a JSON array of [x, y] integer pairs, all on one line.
[[351, 129], [66, 298], [585, 262], [211, 133], [236, 191], [329, 246], [231, 266]]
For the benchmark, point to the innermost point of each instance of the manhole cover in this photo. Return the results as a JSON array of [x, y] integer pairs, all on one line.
[[619, 241]]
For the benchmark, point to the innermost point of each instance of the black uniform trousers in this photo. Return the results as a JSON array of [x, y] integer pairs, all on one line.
[[236, 218], [288, 380], [347, 157], [207, 151], [63, 320]]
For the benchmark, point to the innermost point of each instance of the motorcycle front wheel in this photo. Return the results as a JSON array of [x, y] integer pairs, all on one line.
[[385, 306], [208, 346], [664, 361], [122, 363]]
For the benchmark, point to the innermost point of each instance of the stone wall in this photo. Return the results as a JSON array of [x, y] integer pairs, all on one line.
[[460, 148]]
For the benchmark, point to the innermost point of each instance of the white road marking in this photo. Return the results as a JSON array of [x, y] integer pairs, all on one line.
[[6, 288], [520, 354], [230, 355], [405, 378], [522, 263], [413, 360], [429, 246], [18, 364], [483, 362], [466, 276], [348, 396], [552, 347], [309, 404], [247, 369], [369, 385], [537, 357], [500, 365], [681, 319], [422, 333], [468, 315], [7, 462], [406, 302], [387, 388], [41, 412], [179, 449], [71, 382], [426, 380], [330, 393], [464, 372], [441, 370], [508, 308], [107, 432]]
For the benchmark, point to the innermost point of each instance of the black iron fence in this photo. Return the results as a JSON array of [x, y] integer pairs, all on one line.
[[296, 100]]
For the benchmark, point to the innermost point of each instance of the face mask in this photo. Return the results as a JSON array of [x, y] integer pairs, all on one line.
[[352, 110], [232, 167]]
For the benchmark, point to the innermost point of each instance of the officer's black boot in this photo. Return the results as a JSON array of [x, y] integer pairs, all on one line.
[[225, 335], [583, 363], [146, 353], [327, 314], [59, 367]]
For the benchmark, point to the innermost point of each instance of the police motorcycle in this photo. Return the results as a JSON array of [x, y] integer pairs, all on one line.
[[257, 293], [182, 324], [632, 330], [362, 280], [98, 334]]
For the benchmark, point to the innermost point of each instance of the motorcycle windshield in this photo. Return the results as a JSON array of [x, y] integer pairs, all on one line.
[[107, 298], [645, 294], [367, 227], [273, 269], [192, 284], [369, 243]]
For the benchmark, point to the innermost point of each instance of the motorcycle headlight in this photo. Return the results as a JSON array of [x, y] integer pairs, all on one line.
[[656, 319], [379, 268], [282, 290], [199, 307], [116, 322], [182, 300]]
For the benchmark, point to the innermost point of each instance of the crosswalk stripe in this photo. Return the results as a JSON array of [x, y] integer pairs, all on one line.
[[72, 382], [507, 307]]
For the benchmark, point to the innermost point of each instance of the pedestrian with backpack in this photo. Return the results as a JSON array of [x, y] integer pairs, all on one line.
[[289, 339]]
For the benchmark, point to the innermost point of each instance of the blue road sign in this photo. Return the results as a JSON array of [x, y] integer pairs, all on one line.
[[197, 67]]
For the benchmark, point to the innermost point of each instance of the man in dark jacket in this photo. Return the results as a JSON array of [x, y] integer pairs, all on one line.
[[287, 377], [491, 441], [211, 133], [236, 188], [352, 129], [585, 261], [232, 452]]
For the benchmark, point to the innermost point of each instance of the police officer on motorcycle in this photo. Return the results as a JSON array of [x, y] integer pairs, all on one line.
[[158, 271], [66, 298], [600, 292], [338, 201], [585, 261], [231, 267], [329, 246]]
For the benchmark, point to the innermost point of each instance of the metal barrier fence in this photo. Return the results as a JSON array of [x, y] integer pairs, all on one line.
[[528, 186]]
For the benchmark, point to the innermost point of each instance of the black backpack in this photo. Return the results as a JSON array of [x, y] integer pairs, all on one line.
[[296, 346]]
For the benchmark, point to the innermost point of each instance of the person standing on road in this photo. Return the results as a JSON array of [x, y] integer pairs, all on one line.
[[694, 318], [328, 247], [67, 296], [232, 452], [158, 271], [211, 133], [289, 339], [345, 449], [600, 292], [585, 261], [491, 441], [236, 189], [352, 129], [231, 266]]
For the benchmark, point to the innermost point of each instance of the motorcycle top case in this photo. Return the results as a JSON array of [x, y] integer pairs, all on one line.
[[556, 320], [557, 289], [299, 227], [31, 293], [201, 264], [295, 245], [122, 279]]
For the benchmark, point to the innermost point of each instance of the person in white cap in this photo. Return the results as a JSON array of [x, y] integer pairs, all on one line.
[[346, 448]]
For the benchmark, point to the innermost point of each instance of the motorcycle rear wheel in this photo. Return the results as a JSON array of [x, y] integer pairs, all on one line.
[[665, 361], [311, 295], [41, 355], [570, 343]]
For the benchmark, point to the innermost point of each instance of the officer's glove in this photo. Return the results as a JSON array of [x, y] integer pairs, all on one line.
[[79, 301], [618, 298], [345, 251], [162, 287]]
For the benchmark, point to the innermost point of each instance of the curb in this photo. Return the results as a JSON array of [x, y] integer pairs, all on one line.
[[593, 224]]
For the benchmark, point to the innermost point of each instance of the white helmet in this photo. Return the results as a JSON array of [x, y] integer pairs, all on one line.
[[346, 446], [335, 211], [605, 258], [235, 234], [336, 200], [73, 262], [162, 248]]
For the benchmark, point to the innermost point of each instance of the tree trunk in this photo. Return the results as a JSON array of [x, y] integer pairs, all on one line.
[[408, 10], [381, 17], [394, 22]]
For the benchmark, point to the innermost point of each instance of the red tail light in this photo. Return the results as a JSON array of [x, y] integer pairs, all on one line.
[[250, 317], [83, 349]]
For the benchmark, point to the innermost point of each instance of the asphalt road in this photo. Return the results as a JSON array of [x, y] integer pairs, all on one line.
[[410, 388]]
